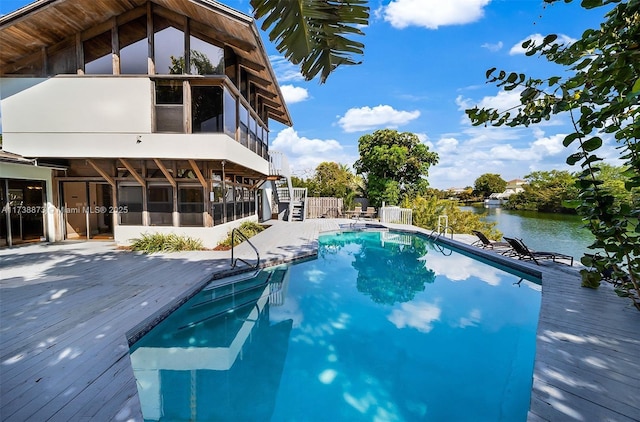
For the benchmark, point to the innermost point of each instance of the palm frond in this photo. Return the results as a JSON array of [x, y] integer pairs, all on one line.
[[315, 33]]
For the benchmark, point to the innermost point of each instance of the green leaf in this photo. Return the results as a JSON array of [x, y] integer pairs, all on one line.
[[592, 144], [489, 72], [570, 138], [636, 87], [549, 39], [590, 4], [574, 158]]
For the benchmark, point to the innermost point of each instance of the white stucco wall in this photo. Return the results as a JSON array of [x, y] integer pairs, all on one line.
[[80, 105], [210, 236], [29, 172]]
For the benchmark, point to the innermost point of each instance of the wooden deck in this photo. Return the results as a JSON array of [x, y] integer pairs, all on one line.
[[67, 310]]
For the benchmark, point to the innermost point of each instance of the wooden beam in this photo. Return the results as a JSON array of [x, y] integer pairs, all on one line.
[[198, 173], [133, 172], [250, 64], [115, 47], [258, 80], [102, 173], [166, 173], [151, 66]]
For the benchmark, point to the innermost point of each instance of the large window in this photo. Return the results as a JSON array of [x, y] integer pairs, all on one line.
[[191, 205], [169, 46], [134, 48], [160, 205], [169, 109], [206, 58], [206, 109], [130, 204], [97, 55], [229, 114], [244, 126]]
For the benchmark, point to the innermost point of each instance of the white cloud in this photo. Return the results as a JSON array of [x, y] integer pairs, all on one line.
[[418, 315], [445, 145], [432, 14], [503, 100], [493, 47], [285, 71], [305, 154], [378, 117], [294, 94], [538, 40]]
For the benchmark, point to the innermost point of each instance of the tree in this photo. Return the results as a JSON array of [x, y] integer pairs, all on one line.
[[550, 191], [489, 183], [600, 92], [315, 33], [395, 164], [426, 210]]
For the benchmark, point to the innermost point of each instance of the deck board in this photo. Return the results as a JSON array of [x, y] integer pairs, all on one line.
[[67, 309]]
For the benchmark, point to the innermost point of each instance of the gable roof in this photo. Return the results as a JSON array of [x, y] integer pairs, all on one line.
[[45, 23]]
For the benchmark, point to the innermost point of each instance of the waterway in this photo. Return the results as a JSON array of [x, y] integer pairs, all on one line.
[[541, 231]]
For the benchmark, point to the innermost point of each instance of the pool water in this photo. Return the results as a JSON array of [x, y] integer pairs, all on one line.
[[381, 326]]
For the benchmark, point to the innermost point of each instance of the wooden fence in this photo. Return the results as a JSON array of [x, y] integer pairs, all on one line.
[[324, 207]]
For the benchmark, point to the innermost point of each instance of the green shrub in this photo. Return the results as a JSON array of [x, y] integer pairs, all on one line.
[[159, 242], [248, 228]]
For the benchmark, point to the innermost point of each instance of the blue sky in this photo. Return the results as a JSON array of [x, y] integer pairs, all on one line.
[[424, 63]]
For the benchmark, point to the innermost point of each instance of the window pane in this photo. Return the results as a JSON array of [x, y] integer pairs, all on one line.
[[169, 46], [206, 58], [206, 109], [169, 109], [130, 204], [134, 48], [229, 114], [97, 55], [244, 125], [160, 205], [191, 206]]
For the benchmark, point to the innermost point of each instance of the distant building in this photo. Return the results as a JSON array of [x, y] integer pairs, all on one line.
[[513, 186]]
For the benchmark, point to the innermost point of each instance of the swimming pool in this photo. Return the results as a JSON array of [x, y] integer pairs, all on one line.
[[381, 326]]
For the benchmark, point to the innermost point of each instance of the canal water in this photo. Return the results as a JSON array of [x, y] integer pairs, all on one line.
[[541, 231]]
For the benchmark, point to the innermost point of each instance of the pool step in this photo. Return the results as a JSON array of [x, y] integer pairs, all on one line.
[[228, 297]]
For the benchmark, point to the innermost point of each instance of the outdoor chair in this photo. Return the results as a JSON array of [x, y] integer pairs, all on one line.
[[370, 212], [485, 243], [521, 251]]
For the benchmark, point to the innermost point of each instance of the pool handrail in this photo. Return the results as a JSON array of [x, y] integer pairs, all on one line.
[[234, 262]]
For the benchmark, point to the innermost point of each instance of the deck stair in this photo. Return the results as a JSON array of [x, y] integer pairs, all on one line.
[[289, 199]]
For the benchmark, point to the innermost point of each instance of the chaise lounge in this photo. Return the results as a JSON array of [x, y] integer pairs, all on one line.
[[485, 243], [521, 251]]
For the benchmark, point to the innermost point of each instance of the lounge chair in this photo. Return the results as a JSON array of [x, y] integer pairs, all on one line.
[[521, 251], [485, 243]]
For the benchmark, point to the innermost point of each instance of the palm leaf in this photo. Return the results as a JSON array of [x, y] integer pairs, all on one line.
[[314, 33]]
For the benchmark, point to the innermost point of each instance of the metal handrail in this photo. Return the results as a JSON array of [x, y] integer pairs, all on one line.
[[441, 232], [242, 235]]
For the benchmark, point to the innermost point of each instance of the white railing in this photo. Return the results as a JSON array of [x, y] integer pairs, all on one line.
[[395, 215], [299, 194], [279, 164]]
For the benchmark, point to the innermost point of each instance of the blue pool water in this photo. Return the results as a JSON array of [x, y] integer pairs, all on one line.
[[380, 327]]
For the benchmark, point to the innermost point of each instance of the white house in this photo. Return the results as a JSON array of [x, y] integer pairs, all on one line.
[[513, 186], [154, 114]]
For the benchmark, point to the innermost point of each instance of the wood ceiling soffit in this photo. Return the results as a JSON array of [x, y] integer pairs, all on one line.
[[133, 171], [250, 64], [258, 80], [164, 171], [266, 94], [101, 172], [198, 173]]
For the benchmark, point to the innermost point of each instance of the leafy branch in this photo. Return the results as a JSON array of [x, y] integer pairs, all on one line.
[[601, 95]]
